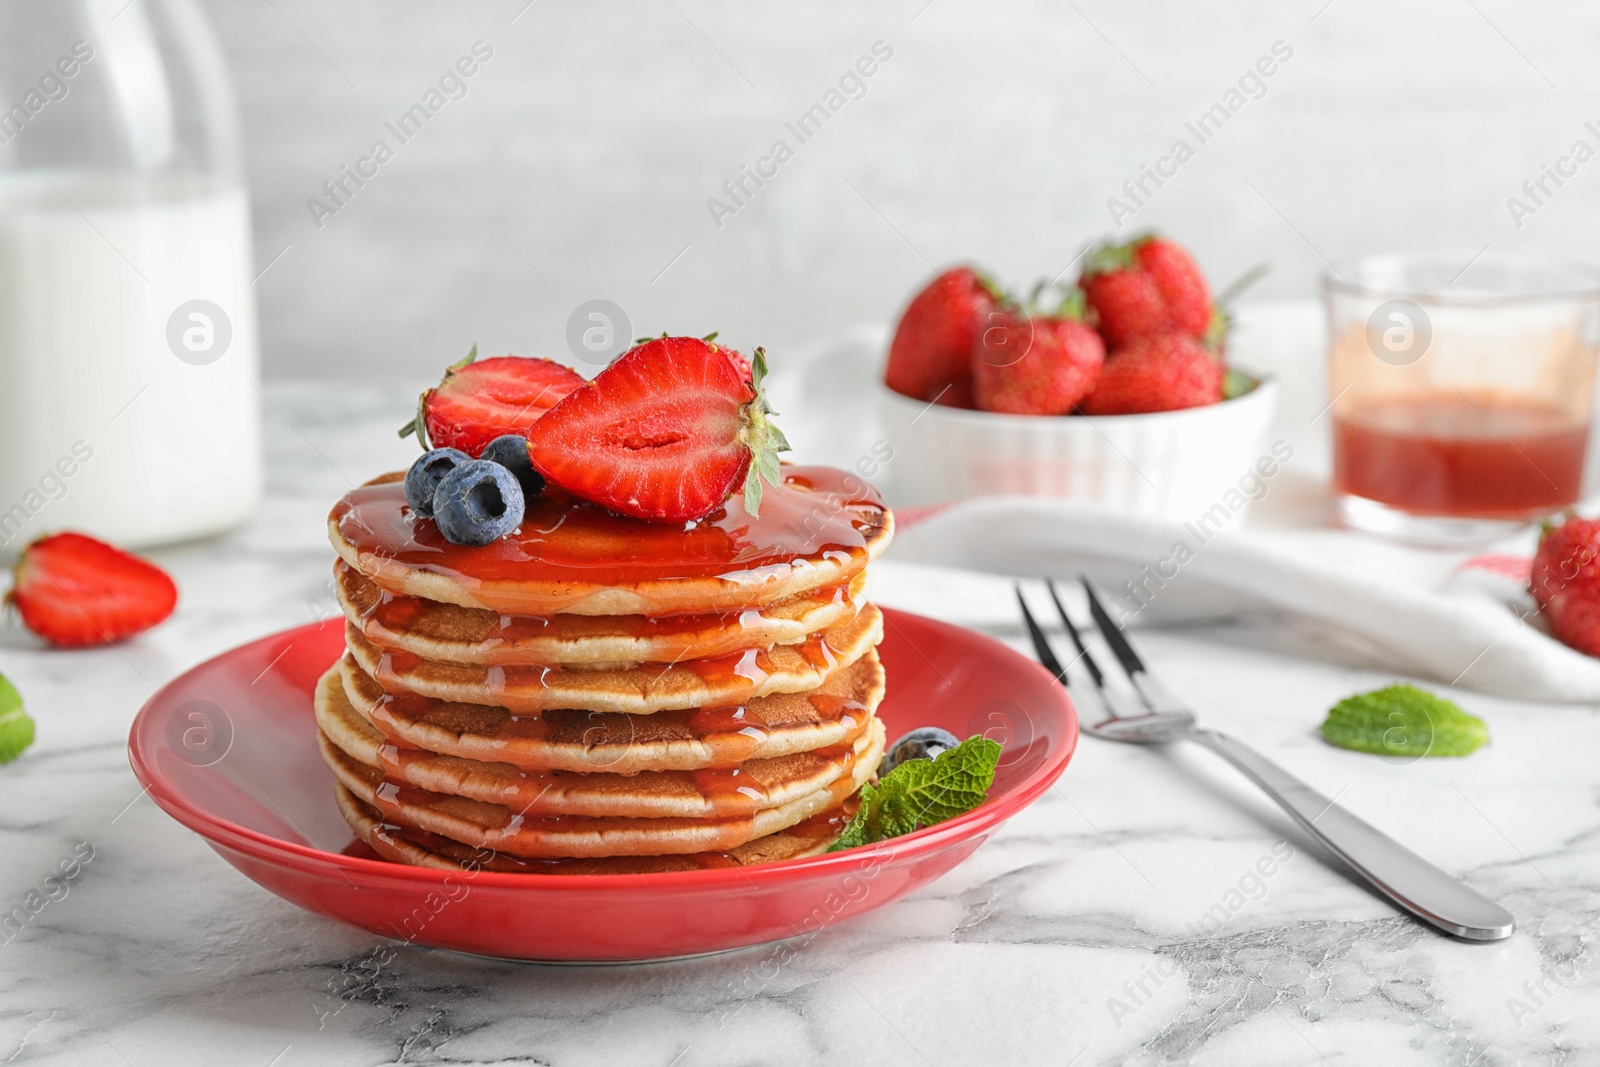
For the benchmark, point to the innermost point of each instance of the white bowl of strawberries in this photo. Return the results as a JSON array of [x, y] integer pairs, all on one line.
[[1118, 393]]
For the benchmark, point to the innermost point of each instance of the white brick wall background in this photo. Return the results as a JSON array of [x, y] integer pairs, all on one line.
[[579, 163]]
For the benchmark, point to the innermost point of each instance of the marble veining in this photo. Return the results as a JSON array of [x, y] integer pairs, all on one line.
[[1124, 918]]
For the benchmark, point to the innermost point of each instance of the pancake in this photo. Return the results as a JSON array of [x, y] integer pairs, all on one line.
[[565, 739], [494, 826], [744, 788], [455, 634], [639, 690], [401, 844], [817, 530]]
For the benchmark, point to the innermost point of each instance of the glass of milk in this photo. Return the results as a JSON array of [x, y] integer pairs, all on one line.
[[129, 407]]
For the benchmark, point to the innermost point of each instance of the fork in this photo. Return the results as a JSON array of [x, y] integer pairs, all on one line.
[[1151, 715]]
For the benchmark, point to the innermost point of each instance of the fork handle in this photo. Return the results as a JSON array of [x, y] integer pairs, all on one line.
[[1394, 870]]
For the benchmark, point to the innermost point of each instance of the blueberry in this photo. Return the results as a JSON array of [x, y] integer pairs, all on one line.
[[511, 452], [925, 742], [425, 475], [477, 502]]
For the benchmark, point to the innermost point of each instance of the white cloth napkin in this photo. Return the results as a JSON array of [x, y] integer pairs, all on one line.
[[1461, 620]]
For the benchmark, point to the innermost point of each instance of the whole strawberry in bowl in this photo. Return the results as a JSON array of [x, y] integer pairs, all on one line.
[[1028, 363], [930, 358], [1114, 390], [1149, 285]]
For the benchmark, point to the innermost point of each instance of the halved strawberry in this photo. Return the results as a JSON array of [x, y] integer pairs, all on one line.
[[739, 361], [479, 400], [74, 591], [664, 433], [737, 358]]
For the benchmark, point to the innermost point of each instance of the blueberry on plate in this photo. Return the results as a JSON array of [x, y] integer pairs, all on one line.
[[511, 452], [477, 502], [925, 742], [423, 479]]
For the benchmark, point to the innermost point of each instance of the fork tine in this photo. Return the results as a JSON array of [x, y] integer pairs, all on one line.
[[1112, 633], [1040, 646], [1154, 695], [1077, 638]]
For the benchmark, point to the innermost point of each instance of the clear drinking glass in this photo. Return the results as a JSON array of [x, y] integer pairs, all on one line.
[[1462, 390], [128, 362]]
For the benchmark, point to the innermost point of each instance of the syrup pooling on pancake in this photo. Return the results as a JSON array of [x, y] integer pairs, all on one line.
[[817, 510], [819, 515]]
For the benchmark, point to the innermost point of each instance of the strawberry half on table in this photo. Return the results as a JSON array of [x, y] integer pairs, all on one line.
[[75, 591], [479, 400], [1148, 286], [667, 432]]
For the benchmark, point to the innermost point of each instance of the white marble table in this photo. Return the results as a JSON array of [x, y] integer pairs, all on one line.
[[1080, 934]]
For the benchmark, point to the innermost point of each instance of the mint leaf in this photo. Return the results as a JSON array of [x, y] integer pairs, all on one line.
[[919, 793], [1402, 720], [16, 729]]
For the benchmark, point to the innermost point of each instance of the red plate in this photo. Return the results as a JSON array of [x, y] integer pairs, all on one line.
[[229, 750]]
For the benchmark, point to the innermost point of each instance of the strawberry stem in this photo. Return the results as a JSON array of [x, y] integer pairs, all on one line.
[[419, 424], [1241, 283], [1108, 258], [758, 433]]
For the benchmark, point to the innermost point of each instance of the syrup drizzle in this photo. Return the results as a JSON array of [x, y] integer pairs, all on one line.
[[739, 673], [734, 731], [384, 617], [395, 832], [728, 791], [725, 791]]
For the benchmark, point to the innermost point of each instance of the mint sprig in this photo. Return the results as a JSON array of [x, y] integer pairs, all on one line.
[[919, 793], [16, 729], [1402, 720]]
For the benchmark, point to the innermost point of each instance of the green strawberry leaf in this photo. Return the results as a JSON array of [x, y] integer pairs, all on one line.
[[16, 729], [761, 437], [1109, 257], [1217, 329], [1402, 720], [1236, 383], [919, 793], [1074, 305]]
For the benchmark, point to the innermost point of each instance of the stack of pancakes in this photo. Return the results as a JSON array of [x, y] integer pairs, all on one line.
[[594, 693]]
